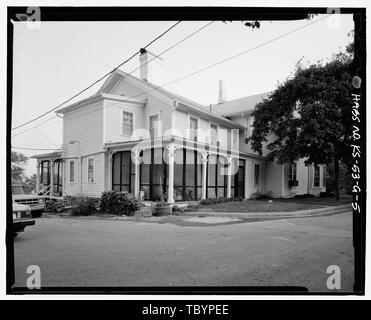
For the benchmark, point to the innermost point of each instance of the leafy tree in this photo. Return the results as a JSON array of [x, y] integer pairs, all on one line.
[[30, 182], [345, 178], [18, 162], [309, 116]]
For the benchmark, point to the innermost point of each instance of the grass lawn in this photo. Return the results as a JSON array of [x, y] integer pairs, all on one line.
[[278, 205], [344, 199]]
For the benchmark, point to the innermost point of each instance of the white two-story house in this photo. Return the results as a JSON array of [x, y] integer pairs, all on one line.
[[135, 136]]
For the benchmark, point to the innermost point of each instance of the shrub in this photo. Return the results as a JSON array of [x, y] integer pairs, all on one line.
[[239, 198], [54, 206], [84, 209], [118, 203], [210, 201], [303, 196], [326, 194], [258, 195]]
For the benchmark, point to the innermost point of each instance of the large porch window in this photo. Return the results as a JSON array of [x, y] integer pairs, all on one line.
[[187, 175], [216, 177], [153, 178]]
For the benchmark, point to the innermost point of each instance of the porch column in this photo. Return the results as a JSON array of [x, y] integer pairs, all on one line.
[[37, 176], [51, 177], [229, 176], [137, 160], [170, 193], [110, 156], [63, 177], [204, 156]]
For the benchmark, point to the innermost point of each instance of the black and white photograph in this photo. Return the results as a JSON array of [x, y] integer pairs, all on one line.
[[182, 150]]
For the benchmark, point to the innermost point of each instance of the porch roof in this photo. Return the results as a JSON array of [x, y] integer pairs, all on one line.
[[51, 155], [178, 142]]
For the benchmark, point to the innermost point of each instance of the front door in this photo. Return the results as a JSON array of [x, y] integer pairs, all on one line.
[[240, 180], [123, 172]]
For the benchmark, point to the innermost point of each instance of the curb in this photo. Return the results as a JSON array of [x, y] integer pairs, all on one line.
[[300, 213]]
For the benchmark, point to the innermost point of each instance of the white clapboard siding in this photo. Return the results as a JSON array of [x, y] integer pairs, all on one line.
[[152, 106], [82, 136], [113, 119]]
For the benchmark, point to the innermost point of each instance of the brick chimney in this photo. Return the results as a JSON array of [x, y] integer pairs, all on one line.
[[150, 67]]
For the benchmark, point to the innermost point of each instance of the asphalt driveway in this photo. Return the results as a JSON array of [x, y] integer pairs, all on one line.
[[187, 251]]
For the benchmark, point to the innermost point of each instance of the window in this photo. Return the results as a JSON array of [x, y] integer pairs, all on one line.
[[239, 179], [90, 169], [256, 174], [293, 182], [234, 138], [316, 176], [193, 127], [213, 135], [153, 126], [292, 171], [45, 172], [127, 123], [72, 170]]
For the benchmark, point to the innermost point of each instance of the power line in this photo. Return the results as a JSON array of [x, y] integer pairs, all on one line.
[[100, 79], [24, 41], [232, 57], [118, 56], [46, 137], [173, 46], [163, 52], [47, 120], [217, 63], [20, 32], [37, 149]]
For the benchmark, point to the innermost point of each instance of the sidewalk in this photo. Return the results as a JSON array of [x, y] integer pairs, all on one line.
[[300, 213]]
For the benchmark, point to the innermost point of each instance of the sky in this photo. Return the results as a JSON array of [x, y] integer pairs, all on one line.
[[59, 59]]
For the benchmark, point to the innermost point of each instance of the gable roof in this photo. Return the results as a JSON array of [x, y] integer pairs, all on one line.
[[185, 103], [241, 105]]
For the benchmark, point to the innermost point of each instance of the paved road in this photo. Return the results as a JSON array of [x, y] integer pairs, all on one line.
[[182, 252]]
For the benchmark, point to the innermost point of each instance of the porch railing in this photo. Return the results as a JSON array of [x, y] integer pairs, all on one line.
[[43, 190]]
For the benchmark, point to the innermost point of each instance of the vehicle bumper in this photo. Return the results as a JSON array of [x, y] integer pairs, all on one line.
[[20, 224], [40, 207]]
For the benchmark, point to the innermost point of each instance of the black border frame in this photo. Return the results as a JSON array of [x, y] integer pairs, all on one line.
[[194, 13]]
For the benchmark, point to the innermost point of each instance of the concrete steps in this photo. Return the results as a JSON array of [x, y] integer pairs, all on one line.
[[144, 211]]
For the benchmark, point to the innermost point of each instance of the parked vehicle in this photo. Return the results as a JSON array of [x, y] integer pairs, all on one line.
[[21, 217], [35, 202]]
